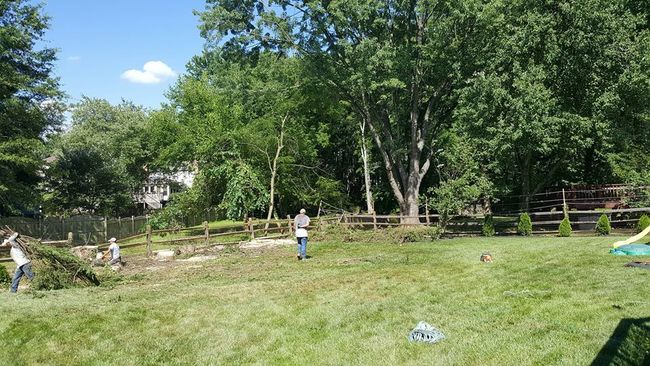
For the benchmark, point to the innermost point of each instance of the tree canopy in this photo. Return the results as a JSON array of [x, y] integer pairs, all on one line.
[[30, 103]]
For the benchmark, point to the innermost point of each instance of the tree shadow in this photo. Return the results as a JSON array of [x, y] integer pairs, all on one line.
[[628, 345]]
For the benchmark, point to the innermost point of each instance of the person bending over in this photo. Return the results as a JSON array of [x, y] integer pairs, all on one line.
[[23, 264]]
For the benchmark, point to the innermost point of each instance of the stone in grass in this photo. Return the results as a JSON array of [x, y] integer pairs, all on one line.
[[165, 255], [426, 333]]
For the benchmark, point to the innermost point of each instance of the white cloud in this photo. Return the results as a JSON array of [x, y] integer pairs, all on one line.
[[153, 72]]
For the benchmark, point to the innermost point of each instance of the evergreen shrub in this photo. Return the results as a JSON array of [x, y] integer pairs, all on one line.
[[565, 227], [603, 226], [488, 226], [525, 226], [644, 222]]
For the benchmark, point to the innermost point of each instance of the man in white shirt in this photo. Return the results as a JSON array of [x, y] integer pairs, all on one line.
[[301, 223], [114, 252], [23, 264]]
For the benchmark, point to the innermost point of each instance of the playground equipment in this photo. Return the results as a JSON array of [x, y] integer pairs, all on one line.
[[631, 247]]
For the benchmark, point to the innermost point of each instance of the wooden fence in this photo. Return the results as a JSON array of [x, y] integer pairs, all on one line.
[[582, 221], [623, 220], [89, 229]]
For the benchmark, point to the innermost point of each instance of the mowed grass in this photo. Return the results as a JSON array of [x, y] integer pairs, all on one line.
[[543, 301]]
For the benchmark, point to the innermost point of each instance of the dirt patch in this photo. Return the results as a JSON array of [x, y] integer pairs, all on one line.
[[198, 258], [265, 243]]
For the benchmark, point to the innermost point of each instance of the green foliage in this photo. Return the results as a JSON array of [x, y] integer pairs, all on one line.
[[244, 192], [644, 222], [525, 226], [406, 234], [100, 163], [5, 278], [169, 217], [554, 86], [603, 226], [565, 227], [30, 102], [415, 234], [488, 226], [57, 268], [83, 180], [461, 180], [399, 79]]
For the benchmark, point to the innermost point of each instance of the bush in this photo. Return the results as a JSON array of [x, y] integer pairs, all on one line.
[[167, 218], [565, 227], [415, 234], [644, 222], [57, 268], [398, 235], [47, 277], [488, 226], [525, 226], [602, 226], [5, 278]]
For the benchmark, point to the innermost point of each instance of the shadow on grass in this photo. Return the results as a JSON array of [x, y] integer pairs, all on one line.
[[629, 345]]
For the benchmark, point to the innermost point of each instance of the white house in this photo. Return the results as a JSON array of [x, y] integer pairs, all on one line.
[[156, 191]]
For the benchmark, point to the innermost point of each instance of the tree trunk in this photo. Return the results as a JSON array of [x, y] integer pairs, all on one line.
[[366, 170], [274, 171]]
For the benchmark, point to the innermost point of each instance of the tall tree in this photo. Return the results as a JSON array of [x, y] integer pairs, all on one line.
[[557, 95], [113, 135], [30, 102], [396, 62]]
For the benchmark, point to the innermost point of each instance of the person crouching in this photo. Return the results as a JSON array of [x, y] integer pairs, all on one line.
[[113, 252]]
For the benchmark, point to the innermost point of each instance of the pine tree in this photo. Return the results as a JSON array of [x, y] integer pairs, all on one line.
[[525, 226], [603, 226], [488, 226]]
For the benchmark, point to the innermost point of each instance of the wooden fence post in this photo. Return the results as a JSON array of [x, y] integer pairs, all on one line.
[[251, 227], [426, 209], [318, 215], [132, 225], [70, 237], [105, 229], [149, 252], [207, 232], [289, 224], [374, 220]]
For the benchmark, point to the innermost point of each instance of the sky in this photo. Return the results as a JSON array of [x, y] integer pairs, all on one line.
[[122, 49]]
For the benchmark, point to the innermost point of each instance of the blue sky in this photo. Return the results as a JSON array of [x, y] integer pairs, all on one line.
[[121, 49]]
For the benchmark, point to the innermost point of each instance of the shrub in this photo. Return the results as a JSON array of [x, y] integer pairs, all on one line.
[[644, 222], [167, 218], [525, 226], [565, 227], [47, 277], [57, 268], [398, 235], [488, 226], [602, 226], [5, 278], [415, 234]]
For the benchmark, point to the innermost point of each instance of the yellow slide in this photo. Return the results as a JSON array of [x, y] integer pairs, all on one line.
[[633, 239]]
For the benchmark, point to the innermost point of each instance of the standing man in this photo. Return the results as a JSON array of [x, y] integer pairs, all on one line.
[[302, 222], [114, 251], [23, 264]]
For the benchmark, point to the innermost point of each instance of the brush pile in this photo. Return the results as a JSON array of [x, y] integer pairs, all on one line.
[[55, 268]]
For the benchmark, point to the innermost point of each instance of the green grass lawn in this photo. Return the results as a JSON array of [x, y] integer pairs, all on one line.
[[543, 301]]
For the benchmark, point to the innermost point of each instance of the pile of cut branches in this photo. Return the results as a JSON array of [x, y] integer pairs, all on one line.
[[55, 268]]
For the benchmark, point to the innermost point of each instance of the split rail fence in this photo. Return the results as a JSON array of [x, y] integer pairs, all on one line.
[[202, 236]]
